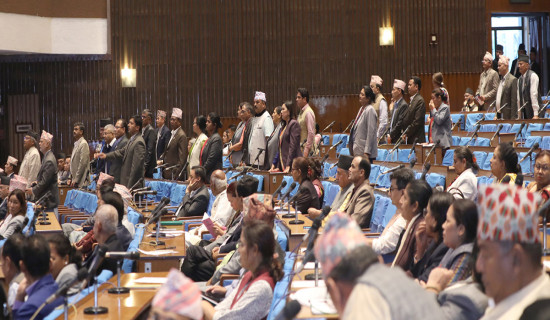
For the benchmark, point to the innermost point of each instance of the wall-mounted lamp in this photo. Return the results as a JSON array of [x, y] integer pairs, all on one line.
[[128, 77], [433, 39], [386, 36]]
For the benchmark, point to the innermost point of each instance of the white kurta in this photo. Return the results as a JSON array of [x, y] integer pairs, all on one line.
[[30, 165]]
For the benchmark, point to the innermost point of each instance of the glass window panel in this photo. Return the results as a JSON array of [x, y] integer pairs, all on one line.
[[505, 22], [510, 40]]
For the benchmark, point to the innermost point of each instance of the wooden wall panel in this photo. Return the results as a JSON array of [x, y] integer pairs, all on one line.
[[210, 55]]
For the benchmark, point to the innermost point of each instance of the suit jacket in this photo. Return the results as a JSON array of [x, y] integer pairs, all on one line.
[[463, 300], [175, 153], [133, 157], [112, 244], [150, 137], [14, 225], [398, 117], [47, 181], [80, 164], [308, 198], [289, 144], [196, 205], [42, 289], [361, 204], [162, 141], [363, 138], [415, 119], [3, 208], [510, 97], [212, 155], [116, 164], [441, 126], [488, 89]]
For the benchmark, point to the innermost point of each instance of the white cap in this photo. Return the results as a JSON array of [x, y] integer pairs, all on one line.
[[12, 161], [488, 55], [376, 80], [177, 113], [260, 96], [399, 84], [46, 136]]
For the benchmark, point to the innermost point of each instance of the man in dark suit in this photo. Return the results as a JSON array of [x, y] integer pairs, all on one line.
[[398, 110], [132, 155], [163, 133], [415, 113], [499, 51], [47, 175], [514, 70], [196, 199], [150, 138], [176, 150], [507, 91], [105, 148], [115, 165], [361, 203]]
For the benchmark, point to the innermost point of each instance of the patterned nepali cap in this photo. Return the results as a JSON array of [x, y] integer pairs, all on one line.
[[177, 113], [13, 161], [340, 236], [507, 213], [161, 113], [18, 182], [103, 177], [399, 84], [46, 136], [179, 295], [259, 207], [376, 80], [488, 55], [504, 60], [260, 96]]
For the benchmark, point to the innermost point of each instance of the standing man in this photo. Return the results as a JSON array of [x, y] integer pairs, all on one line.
[[100, 164], [398, 110], [361, 204], [80, 158], [239, 146], [121, 127], [380, 105], [535, 66], [362, 138], [529, 99], [507, 91], [31, 161], [108, 146], [488, 83], [514, 70], [262, 127], [414, 120], [47, 175], [132, 155], [499, 51], [150, 138], [4, 192], [176, 150], [510, 251], [163, 133], [306, 119]]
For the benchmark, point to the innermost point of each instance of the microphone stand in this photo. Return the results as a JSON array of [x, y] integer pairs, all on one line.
[[95, 309], [146, 204], [295, 221], [258, 158], [119, 289]]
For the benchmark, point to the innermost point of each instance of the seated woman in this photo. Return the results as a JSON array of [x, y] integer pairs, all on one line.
[[465, 184], [289, 140], [308, 197], [459, 234], [504, 163], [17, 210], [65, 262], [430, 247], [413, 202], [252, 298], [315, 173], [9, 259], [542, 175]]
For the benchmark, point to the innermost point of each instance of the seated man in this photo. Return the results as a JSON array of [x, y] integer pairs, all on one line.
[[38, 284], [360, 286], [196, 199], [200, 262], [361, 204], [221, 208]]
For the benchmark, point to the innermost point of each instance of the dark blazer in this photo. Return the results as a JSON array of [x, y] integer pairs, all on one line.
[[212, 155], [442, 125], [150, 137], [415, 118], [175, 153], [116, 164], [405, 258], [398, 120], [162, 141], [195, 206], [124, 236], [47, 181], [133, 157], [361, 204], [308, 198], [509, 96], [431, 259], [112, 244], [43, 288], [289, 145]]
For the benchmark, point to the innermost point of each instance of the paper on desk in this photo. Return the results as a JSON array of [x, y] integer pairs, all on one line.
[[151, 280], [156, 252], [165, 235], [317, 298], [309, 266], [307, 284], [546, 264]]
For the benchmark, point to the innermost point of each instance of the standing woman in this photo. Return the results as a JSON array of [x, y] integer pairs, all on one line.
[[437, 82], [17, 209], [440, 120], [199, 128], [65, 262], [504, 163], [289, 140], [211, 153], [273, 140], [465, 184], [363, 135]]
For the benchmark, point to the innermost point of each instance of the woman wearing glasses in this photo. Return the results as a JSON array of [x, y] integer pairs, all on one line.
[[542, 175]]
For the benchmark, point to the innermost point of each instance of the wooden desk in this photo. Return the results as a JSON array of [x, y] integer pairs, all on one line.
[[132, 305], [162, 262], [540, 120], [275, 179], [435, 158], [297, 231], [323, 149], [540, 133], [63, 189], [48, 230], [503, 137]]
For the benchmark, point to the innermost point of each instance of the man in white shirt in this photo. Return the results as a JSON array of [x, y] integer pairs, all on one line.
[[31, 161], [380, 104], [510, 251], [529, 99], [262, 127]]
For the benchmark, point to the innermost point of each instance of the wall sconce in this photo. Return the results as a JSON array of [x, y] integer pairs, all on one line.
[[128, 77], [386, 36]]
